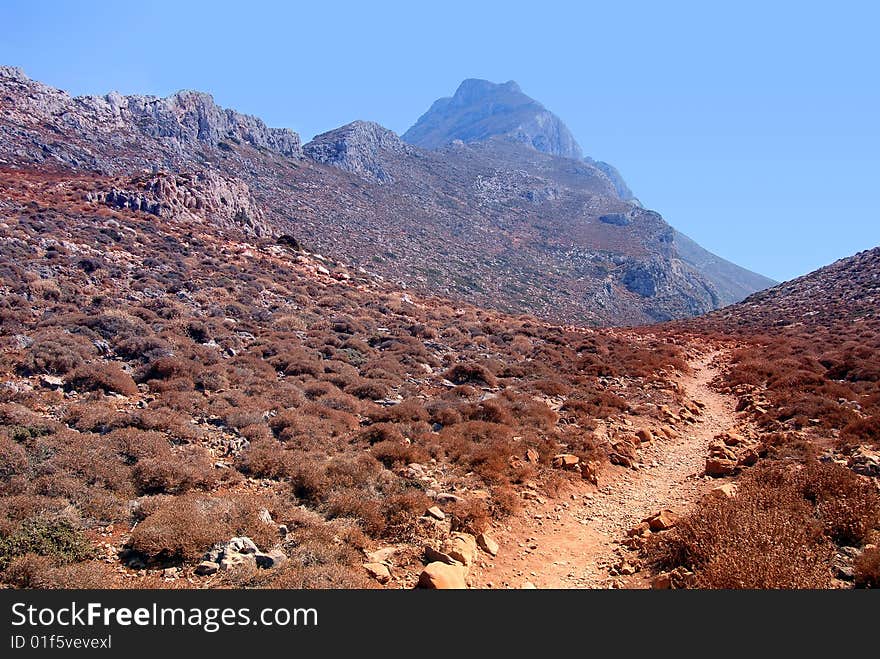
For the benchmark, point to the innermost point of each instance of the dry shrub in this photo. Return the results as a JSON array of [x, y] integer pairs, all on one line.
[[594, 405], [867, 569], [766, 537], [402, 511], [95, 416], [410, 410], [491, 410], [264, 458], [41, 572], [397, 453], [380, 432], [443, 413], [530, 412], [182, 528], [354, 502], [175, 472], [506, 502], [57, 351], [847, 505], [484, 447], [374, 390], [13, 458], [320, 555], [863, 431], [469, 515], [310, 426], [103, 376], [471, 374], [91, 459]]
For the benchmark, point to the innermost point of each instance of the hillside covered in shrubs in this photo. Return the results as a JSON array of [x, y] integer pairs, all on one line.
[[172, 383]]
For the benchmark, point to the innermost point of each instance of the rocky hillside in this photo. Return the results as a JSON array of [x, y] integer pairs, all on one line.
[[363, 148], [184, 403], [846, 291], [494, 222]]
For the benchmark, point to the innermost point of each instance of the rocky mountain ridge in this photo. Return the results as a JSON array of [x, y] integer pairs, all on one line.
[[494, 222], [165, 131]]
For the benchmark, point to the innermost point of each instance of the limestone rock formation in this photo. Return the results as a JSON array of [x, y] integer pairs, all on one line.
[[360, 147]]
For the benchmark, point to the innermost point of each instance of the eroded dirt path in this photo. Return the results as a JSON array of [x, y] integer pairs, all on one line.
[[572, 542]]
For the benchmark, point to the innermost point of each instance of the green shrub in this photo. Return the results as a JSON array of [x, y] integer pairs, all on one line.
[[56, 539]]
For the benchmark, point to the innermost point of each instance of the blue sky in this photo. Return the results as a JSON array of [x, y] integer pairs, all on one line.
[[752, 127]]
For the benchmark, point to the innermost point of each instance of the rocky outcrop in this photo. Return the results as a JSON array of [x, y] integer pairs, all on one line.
[[223, 200], [107, 133], [481, 109], [360, 147], [188, 117]]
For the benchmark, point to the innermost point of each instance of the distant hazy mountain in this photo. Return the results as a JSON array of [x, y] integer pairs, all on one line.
[[481, 109], [732, 282]]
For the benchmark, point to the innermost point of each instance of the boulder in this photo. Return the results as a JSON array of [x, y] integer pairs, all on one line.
[[51, 381], [645, 435], [623, 454], [462, 548], [433, 555], [436, 513], [748, 457], [724, 491], [242, 545], [718, 449], [227, 564], [378, 571], [270, 559], [566, 461], [440, 576], [487, 543], [662, 521], [532, 456], [731, 438], [717, 467], [207, 567]]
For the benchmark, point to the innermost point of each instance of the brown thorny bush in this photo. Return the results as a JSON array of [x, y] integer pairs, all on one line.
[[777, 532], [189, 366]]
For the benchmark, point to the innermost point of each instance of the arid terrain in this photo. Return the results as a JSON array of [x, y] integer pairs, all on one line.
[[194, 393]]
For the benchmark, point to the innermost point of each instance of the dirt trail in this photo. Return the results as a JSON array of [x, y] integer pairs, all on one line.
[[572, 542]]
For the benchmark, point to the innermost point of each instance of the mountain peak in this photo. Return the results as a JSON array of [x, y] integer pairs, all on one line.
[[357, 147], [480, 110], [475, 88]]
